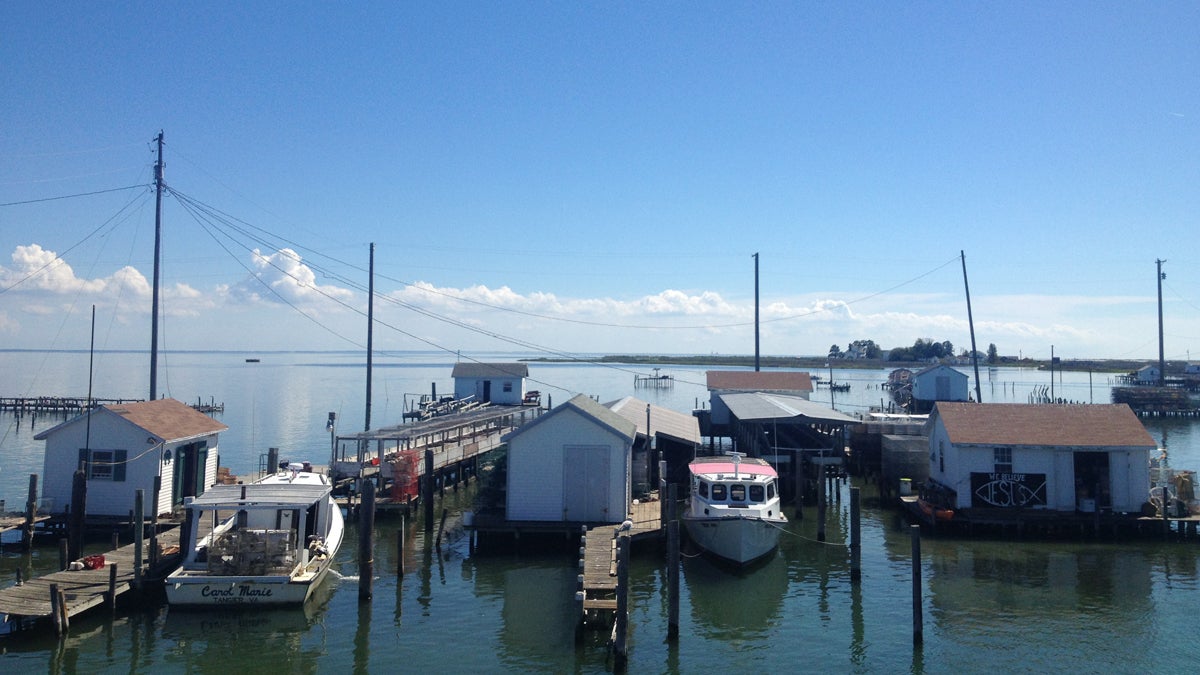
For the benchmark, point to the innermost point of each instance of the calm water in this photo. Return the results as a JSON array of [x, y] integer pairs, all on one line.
[[988, 606]]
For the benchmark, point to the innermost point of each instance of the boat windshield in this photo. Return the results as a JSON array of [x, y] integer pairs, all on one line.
[[737, 492], [756, 493], [702, 489], [718, 492]]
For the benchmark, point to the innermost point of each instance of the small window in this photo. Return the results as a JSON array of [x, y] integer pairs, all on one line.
[[771, 490], [757, 492], [718, 492], [508, 387], [737, 492], [101, 465], [1003, 460], [702, 489]]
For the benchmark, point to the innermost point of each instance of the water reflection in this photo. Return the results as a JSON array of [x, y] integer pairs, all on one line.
[[735, 604]]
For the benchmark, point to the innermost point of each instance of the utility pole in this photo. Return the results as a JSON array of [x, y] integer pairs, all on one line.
[[1162, 362], [158, 185], [756, 361], [370, 331], [971, 323]]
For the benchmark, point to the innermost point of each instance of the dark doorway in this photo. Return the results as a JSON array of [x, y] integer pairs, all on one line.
[[487, 391], [1092, 479]]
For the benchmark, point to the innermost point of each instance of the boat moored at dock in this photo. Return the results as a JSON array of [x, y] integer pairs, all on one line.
[[733, 508], [272, 542]]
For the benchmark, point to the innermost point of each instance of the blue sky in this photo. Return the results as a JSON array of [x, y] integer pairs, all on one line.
[[595, 177]]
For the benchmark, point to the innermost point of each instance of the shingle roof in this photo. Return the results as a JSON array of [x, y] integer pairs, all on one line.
[[470, 369], [749, 380], [168, 419], [1109, 425]]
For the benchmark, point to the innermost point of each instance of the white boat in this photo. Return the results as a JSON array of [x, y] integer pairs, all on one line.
[[733, 508], [271, 543]]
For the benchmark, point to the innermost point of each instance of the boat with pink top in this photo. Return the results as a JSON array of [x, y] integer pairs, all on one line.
[[733, 508]]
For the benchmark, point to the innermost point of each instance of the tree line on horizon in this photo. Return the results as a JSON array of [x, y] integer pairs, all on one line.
[[923, 349]]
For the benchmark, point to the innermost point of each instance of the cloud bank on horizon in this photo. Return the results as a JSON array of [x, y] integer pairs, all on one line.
[[275, 304]]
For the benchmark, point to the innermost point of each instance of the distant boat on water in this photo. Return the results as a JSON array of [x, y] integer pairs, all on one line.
[[253, 360]]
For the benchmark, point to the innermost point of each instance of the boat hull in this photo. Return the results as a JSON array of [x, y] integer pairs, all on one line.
[[737, 539], [215, 591]]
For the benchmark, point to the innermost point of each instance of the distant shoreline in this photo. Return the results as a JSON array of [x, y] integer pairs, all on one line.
[[814, 362]]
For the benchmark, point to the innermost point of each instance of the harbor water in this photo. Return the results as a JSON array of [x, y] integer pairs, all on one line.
[[988, 605]]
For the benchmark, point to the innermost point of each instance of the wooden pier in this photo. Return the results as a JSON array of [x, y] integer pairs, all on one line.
[[58, 597], [56, 405]]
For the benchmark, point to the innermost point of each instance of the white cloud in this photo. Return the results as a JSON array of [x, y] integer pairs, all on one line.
[[283, 277]]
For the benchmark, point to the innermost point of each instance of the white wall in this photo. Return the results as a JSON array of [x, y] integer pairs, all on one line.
[[535, 465]]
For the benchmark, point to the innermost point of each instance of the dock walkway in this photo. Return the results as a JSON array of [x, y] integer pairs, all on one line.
[[598, 564], [82, 590]]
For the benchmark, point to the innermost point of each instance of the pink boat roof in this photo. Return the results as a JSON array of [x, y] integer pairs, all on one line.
[[750, 466]]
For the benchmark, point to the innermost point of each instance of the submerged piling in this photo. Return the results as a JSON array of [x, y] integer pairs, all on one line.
[[366, 541]]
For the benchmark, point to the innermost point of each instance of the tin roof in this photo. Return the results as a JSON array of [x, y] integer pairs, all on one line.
[[471, 369], [762, 406], [261, 494], [662, 420], [1108, 425], [749, 380], [584, 405]]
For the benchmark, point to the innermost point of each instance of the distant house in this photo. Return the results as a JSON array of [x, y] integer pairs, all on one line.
[[788, 383], [572, 465], [938, 383], [124, 448], [499, 383], [1192, 369], [1147, 375], [1053, 457]]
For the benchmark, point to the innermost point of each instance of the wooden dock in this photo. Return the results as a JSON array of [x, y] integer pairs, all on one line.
[[598, 560], [34, 601]]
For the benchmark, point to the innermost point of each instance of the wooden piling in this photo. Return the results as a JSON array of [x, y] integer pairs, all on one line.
[[64, 554], [78, 511], [621, 624], [855, 536], [799, 485], [157, 492], [111, 597], [55, 612], [30, 513], [427, 493], [821, 504], [366, 543], [400, 551], [139, 533], [441, 528], [918, 619], [672, 566]]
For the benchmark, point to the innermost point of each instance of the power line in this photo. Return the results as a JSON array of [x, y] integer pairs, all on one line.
[[81, 194]]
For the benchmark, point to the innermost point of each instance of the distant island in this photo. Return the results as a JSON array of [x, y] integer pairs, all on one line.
[[817, 362]]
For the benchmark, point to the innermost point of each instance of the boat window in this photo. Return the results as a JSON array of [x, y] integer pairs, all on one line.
[[757, 492], [718, 492], [771, 490], [702, 489], [737, 492]]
